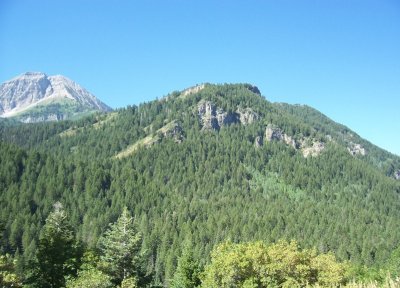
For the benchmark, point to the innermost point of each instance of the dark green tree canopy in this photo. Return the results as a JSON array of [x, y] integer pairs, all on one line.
[[58, 253], [182, 178]]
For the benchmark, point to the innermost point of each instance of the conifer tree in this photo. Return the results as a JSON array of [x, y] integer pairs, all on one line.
[[58, 254], [120, 250], [188, 271]]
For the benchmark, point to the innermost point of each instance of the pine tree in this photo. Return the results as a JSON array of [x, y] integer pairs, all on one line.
[[58, 254], [120, 250], [188, 271]]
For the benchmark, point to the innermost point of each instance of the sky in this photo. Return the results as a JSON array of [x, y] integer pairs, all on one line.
[[341, 57]]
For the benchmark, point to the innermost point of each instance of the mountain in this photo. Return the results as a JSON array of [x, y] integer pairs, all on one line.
[[204, 165], [36, 97]]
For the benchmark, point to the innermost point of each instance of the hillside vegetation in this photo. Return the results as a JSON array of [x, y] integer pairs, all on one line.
[[199, 168]]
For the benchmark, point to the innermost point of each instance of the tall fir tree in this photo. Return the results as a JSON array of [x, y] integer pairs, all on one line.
[[120, 251], [58, 253], [187, 274]]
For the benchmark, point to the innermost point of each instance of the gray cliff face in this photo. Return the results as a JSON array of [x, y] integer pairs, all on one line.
[[308, 146], [33, 89], [208, 115], [213, 117], [356, 149], [64, 87], [247, 116], [314, 149], [275, 133], [24, 90]]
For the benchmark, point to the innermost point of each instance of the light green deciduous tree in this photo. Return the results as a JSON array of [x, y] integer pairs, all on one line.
[[282, 264]]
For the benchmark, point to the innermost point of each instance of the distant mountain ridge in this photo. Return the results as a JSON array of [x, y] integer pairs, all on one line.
[[36, 97]]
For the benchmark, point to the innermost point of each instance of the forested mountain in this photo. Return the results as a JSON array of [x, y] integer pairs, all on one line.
[[202, 166]]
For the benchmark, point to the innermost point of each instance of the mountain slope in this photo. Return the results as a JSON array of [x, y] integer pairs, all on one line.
[[212, 107], [204, 165], [34, 97]]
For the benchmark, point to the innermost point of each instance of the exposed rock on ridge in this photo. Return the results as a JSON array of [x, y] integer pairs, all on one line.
[[273, 133], [309, 147], [213, 117], [22, 91], [356, 149], [192, 90], [172, 130], [209, 116], [314, 150], [247, 116]]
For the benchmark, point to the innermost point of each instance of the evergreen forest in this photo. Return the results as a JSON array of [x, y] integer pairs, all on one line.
[[213, 186]]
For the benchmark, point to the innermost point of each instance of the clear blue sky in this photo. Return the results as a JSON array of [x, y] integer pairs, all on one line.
[[341, 57]]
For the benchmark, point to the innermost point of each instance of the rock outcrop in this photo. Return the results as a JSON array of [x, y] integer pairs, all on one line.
[[192, 90], [307, 146], [247, 116], [397, 175], [213, 117], [314, 150], [356, 149], [208, 115], [174, 131], [275, 133], [22, 91]]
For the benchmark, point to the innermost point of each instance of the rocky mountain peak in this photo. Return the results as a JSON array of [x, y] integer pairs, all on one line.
[[33, 89], [21, 91], [29, 76]]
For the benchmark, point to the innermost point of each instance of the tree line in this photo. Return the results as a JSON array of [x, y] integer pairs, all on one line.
[[118, 260]]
